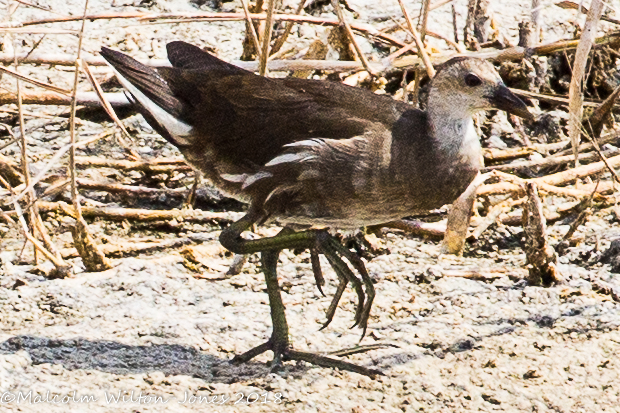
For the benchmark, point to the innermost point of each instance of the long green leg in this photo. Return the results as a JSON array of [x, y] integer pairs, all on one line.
[[270, 249]]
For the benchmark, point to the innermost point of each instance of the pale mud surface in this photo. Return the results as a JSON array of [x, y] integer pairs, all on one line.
[[153, 327]]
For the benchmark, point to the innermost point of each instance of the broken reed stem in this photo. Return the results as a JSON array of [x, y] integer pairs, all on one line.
[[455, 28], [143, 215], [575, 93], [424, 19], [72, 167], [460, 216], [34, 81], [33, 213], [550, 161], [471, 9], [110, 111], [351, 35], [60, 265], [603, 157], [559, 178], [92, 258], [252, 29], [494, 214], [541, 257], [430, 70], [583, 215], [262, 69], [287, 29]]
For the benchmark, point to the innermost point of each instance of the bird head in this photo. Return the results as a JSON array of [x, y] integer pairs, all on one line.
[[469, 85]]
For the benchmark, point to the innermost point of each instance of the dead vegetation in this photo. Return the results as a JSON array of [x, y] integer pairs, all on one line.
[[575, 79]]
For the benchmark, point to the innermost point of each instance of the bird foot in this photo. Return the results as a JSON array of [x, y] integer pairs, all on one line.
[[286, 353]]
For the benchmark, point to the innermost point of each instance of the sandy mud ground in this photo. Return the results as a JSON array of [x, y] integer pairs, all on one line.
[[154, 335]]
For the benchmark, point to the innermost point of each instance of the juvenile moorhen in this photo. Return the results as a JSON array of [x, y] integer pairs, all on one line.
[[314, 155]]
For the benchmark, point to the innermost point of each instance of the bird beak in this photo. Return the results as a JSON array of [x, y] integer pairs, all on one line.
[[504, 99]]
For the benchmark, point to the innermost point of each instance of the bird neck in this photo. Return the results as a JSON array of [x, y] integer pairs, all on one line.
[[452, 129]]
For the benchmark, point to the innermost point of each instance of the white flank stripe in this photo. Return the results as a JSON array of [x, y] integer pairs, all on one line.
[[256, 177], [289, 158], [307, 143], [234, 178]]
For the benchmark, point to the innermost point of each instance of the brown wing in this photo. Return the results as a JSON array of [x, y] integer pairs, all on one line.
[[248, 118]]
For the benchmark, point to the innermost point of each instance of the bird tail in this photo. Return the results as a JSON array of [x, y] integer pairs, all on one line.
[[155, 100]]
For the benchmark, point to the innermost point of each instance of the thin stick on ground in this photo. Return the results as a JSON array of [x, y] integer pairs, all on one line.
[[110, 111], [62, 269], [34, 81], [53, 162], [603, 157], [33, 213], [424, 19], [460, 216], [287, 29], [349, 31], [92, 257], [252, 29], [264, 55], [541, 257], [575, 93], [416, 37], [559, 178]]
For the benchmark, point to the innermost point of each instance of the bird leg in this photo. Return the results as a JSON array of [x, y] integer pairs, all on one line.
[[320, 241], [270, 248]]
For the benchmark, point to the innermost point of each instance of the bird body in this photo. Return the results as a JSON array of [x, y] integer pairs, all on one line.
[[315, 154], [309, 152]]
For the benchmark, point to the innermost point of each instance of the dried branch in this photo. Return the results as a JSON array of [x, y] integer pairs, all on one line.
[[144, 215], [541, 257], [54, 162], [35, 82], [551, 161], [344, 24], [155, 166], [424, 19], [264, 55], [459, 217], [559, 178], [251, 29], [497, 210], [287, 29], [418, 41], [92, 258], [10, 171], [575, 93], [572, 5], [131, 190], [88, 99], [132, 248]]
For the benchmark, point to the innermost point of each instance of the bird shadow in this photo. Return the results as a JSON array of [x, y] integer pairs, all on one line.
[[124, 359]]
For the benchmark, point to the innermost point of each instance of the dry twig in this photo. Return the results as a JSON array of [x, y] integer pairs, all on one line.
[[344, 24], [575, 94], [418, 41], [459, 217], [541, 257], [93, 259]]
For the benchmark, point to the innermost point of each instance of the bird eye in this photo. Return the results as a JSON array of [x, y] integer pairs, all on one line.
[[472, 80]]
